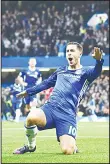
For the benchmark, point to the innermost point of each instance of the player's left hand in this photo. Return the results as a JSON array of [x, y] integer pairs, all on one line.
[[97, 54], [21, 94]]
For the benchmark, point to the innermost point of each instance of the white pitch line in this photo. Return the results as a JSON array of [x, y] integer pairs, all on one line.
[[103, 126], [12, 128], [50, 136], [97, 126], [77, 137], [92, 136]]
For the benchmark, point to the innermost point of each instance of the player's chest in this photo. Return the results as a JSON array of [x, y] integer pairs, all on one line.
[[71, 79], [32, 74], [17, 88]]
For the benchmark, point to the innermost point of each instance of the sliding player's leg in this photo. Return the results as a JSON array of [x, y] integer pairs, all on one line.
[[68, 144], [66, 134], [37, 119]]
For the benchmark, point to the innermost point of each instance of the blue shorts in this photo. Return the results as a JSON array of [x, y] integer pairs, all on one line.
[[56, 118], [28, 99]]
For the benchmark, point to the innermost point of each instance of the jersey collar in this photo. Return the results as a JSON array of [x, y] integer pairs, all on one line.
[[31, 69], [74, 69]]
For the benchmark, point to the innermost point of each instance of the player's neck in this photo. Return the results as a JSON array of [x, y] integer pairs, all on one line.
[[32, 68], [74, 67]]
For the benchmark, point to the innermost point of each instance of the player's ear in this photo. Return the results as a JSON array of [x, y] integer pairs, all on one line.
[[81, 52]]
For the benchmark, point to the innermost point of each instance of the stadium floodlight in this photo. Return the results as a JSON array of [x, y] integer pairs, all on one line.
[[8, 70], [95, 19]]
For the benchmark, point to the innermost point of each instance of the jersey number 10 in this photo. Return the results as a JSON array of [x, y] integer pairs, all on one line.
[[72, 131]]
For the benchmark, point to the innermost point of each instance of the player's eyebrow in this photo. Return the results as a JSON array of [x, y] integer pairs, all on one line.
[[71, 50]]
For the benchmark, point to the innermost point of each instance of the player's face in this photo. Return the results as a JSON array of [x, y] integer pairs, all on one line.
[[72, 54], [32, 62], [16, 81]]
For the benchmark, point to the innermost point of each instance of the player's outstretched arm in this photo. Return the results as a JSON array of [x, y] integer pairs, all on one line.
[[96, 71], [48, 83]]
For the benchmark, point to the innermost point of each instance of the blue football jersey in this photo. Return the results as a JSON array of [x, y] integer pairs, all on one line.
[[70, 86], [30, 77]]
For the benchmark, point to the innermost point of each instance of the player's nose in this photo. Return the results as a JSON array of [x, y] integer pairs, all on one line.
[[69, 55]]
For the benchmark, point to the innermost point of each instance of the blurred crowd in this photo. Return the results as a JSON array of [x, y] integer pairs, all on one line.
[[31, 28], [96, 100]]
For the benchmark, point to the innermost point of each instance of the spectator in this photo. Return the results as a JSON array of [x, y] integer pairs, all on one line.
[[46, 23], [61, 48]]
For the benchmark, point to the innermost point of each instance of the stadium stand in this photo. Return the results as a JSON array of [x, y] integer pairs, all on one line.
[[97, 96], [43, 29]]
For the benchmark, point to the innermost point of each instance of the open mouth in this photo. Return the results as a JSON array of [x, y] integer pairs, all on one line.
[[70, 59]]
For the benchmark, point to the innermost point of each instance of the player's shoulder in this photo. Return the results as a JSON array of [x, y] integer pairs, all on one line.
[[37, 70], [86, 68], [62, 68], [23, 71]]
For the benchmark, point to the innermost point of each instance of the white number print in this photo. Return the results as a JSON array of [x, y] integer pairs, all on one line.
[[72, 131]]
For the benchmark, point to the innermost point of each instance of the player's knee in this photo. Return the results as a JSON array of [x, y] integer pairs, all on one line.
[[30, 120], [28, 107], [36, 117], [67, 150]]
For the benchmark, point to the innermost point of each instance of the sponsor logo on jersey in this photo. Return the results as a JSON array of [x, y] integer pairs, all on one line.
[[72, 76]]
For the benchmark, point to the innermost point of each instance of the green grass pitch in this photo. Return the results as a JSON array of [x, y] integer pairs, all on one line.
[[92, 141]]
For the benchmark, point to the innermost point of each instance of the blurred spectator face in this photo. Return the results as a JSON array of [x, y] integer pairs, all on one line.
[[7, 43], [62, 42], [60, 23], [32, 62], [73, 54]]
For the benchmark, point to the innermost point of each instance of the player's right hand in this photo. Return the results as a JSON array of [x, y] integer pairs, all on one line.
[[21, 94], [97, 54]]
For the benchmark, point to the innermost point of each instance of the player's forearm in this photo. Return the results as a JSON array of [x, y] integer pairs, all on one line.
[[38, 88], [95, 71], [98, 68]]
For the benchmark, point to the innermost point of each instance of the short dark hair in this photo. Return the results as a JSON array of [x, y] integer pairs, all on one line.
[[79, 46]]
